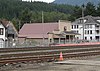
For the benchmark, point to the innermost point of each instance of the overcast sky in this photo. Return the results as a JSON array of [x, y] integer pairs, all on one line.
[[48, 1]]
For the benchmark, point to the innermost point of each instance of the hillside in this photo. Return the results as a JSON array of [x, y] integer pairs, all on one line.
[[76, 2], [25, 12]]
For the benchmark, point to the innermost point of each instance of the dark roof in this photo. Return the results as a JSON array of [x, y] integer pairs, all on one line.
[[89, 19], [9, 26], [37, 30], [69, 33]]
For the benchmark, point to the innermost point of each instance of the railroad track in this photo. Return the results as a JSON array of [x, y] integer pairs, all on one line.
[[41, 54]]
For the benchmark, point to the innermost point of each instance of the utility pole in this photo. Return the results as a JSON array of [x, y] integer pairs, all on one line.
[[43, 25], [19, 26], [83, 19], [42, 17]]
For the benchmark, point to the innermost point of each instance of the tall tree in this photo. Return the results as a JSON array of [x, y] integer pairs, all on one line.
[[25, 16], [90, 9], [77, 13], [98, 10]]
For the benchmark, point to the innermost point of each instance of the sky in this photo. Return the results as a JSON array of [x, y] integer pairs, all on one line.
[[48, 1]]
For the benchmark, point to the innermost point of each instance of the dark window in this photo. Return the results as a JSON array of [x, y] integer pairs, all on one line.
[[50, 40], [77, 37], [97, 31], [81, 21], [90, 38], [77, 26], [77, 31], [72, 26], [90, 31], [65, 28], [85, 38], [1, 31]]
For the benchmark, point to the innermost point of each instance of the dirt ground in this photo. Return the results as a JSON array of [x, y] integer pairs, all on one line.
[[51, 66]]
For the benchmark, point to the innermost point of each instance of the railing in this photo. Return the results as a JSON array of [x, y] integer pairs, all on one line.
[[28, 44]]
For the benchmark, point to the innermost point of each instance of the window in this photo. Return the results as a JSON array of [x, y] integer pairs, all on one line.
[[77, 37], [81, 21], [77, 31], [85, 38], [90, 26], [86, 26], [97, 31], [65, 28], [50, 40], [72, 26], [90, 31], [97, 26], [85, 32], [90, 38], [1, 31], [77, 26]]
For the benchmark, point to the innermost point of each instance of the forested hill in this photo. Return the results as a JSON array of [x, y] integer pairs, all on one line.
[[76, 2], [13, 8], [17, 10]]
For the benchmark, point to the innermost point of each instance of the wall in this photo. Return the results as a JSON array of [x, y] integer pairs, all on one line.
[[63, 24], [2, 36]]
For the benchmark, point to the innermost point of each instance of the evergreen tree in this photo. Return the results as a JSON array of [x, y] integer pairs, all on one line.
[[98, 10], [90, 9]]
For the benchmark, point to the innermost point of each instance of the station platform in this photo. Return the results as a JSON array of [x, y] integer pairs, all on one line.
[[80, 62]]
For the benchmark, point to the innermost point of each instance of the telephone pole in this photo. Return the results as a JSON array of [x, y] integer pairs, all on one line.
[[43, 25], [83, 19], [19, 26]]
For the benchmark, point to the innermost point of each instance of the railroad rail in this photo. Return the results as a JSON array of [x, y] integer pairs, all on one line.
[[41, 54]]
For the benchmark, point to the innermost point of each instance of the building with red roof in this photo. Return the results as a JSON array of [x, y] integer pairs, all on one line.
[[47, 32]]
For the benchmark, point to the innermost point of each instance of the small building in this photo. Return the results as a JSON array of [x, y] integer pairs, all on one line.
[[8, 33], [59, 32], [88, 27]]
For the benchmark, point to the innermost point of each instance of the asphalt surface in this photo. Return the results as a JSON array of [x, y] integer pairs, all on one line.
[[51, 66]]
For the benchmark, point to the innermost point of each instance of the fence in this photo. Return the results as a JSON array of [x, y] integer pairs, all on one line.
[[15, 44]]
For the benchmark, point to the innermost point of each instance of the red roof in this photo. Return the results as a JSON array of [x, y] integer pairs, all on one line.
[[37, 30]]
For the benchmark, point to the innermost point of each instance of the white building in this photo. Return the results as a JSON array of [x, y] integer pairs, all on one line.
[[89, 29], [7, 33]]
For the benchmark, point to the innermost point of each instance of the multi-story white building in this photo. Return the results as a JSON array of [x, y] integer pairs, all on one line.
[[88, 27]]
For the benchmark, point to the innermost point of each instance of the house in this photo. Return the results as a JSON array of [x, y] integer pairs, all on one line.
[[47, 33], [8, 33], [88, 27]]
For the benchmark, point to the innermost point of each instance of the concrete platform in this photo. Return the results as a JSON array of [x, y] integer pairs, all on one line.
[[80, 62]]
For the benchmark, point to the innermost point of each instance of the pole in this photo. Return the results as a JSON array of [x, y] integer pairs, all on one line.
[[19, 26], [83, 19], [43, 25], [42, 17]]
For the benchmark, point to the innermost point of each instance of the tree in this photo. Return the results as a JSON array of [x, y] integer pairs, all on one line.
[[90, 9], [77, 12], [25, 16], [98, 10]]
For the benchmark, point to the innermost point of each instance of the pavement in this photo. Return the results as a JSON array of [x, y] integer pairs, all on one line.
[[86, 64], [80, 62]]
